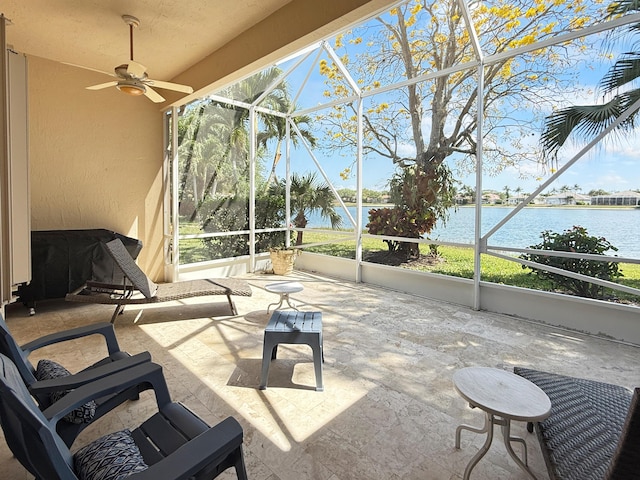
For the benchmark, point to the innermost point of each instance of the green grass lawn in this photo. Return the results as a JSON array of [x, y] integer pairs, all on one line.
[[453, 261], [458, 262]]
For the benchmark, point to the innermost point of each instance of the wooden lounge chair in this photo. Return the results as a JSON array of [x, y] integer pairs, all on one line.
[[138, 289]]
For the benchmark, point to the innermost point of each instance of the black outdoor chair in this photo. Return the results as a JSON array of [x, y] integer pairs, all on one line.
[[49, 381], [173, 444]]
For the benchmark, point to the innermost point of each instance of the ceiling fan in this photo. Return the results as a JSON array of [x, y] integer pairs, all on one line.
[[132, 77]]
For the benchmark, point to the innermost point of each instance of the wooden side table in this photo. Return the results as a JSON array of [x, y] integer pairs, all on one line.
[[293, 327], [503, 396]]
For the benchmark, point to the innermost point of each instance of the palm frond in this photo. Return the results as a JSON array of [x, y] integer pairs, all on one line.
[[627, 100], [622, 6], [586, 120], [623, 72]]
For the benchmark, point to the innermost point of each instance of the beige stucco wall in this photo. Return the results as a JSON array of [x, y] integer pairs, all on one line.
[[96, 158]]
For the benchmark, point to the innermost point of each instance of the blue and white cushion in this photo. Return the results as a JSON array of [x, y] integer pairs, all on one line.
[[47, 370], [112, 457]]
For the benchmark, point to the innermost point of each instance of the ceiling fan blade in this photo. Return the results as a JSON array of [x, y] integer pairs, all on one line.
[[152, 95], [136, 69], [88, 68], [102, 85], [170, 86]]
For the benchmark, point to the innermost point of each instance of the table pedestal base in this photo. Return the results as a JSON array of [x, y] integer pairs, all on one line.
[[490, 421], [284, 297], [284, 289]]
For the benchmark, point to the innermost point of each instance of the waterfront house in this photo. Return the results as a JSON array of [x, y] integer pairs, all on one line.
[[567, 198], [626, 198]]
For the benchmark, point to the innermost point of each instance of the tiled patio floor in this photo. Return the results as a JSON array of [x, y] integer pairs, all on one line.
[[389, 409]]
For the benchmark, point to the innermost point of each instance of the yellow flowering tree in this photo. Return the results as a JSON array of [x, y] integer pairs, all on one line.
[[421, 126]]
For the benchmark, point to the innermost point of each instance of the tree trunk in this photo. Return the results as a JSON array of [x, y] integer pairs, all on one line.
[[276, 159], [301, 222]]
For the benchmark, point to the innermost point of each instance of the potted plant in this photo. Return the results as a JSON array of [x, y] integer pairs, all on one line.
[[283, 258]]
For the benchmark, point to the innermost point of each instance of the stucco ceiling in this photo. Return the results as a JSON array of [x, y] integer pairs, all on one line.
[[173, 34]]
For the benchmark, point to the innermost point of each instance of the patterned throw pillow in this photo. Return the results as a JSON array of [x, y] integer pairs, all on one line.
[[47, 370], [112, 457]]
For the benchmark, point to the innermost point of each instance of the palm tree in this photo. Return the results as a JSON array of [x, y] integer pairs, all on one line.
[[589, 121], [507, 193], [276, 128], [518, 191], [307, 196], [227, 127]]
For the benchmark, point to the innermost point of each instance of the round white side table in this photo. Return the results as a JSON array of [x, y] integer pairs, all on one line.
[[284, 289], [503, 396]]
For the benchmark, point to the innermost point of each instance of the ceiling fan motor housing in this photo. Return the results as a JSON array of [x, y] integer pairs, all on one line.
[[123, 71], [131, 87]]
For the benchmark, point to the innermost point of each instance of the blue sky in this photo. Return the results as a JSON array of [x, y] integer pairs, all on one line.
[[613, 166]]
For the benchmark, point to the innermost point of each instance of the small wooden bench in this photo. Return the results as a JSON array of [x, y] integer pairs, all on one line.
[[593, 431]]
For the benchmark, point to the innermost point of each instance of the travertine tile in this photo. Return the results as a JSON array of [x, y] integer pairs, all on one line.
[[389, 409]]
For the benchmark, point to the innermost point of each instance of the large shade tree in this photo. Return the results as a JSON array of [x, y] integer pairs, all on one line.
[[435, 120], [618, 89]]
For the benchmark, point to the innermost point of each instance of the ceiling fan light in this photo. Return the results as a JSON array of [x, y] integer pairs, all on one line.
[[132, 89]]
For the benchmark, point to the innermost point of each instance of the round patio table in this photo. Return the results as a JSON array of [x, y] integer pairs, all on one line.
[[503, 396], [284, 289]]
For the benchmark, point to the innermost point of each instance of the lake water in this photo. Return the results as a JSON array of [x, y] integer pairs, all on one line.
[[621, 227]]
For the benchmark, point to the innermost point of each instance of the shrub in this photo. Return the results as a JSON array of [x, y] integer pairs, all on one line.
[[229, 214], [421, 197], [576, 240], [400, 222]]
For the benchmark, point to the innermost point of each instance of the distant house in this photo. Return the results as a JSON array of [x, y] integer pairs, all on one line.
[[568, 198], [461, 199], [517, 199], [491, 198], [618, 198]]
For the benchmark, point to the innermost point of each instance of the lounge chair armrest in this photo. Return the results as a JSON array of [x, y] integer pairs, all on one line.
[[147, 375], [87, 376], [210, 447], [103, 328]]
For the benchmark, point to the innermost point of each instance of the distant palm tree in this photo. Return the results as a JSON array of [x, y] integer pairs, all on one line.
[[591, 120], [276, 128], [308, 195], [507, 193]]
